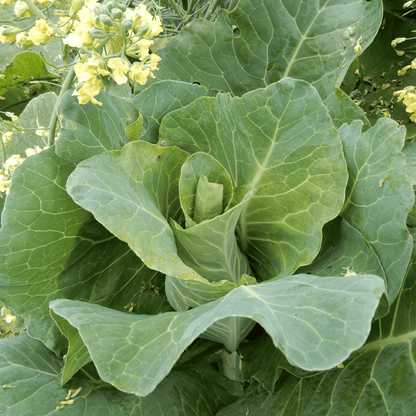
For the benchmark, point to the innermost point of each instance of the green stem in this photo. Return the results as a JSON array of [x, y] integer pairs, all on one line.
[[231, 363], [92, 379], [36, 11], [54, 118], [176, 8], [210, 11], [3, 152]]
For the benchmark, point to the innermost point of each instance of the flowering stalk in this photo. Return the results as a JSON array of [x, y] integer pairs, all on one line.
[[3, 153], [54, 118], [105, 34]]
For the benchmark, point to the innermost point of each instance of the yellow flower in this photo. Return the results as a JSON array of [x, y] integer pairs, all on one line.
[[155, 27], [14, 118], [409, 100], [21, 9], [87, 72], [120, 68], [6, 314], [30, 152], [154, 60], [88, 69], [85, 15], [88, 91], [136, 14], [139, 46], [23, 40], [7, 2], [40, 33], [143, 21], [11, 163], [144, 45], [81, 27], [4, 184], [6, 137], [76, 6], [41, 131], [403, 93], [401, 72], [73, 40], [7, 170], [138, 74]]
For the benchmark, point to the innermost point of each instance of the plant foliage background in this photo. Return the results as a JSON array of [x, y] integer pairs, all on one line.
[[240, 201]]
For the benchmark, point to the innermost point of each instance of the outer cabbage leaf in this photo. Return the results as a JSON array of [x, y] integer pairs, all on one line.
[[344, 250], [261, 361], [259, 43], [77, 355], [30, 375], [91, 129], [378, 379], [409, 150], [51, 248], [280, 141], [316, 321], [379, 196]]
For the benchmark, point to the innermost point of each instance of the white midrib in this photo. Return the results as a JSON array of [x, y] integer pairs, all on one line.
[[257, 177], [253, 184], [302, 38]]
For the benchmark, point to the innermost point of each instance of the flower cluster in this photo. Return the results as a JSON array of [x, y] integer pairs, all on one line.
[[122, 32], [89, 72], [409, 100], [106, 34], [10, 165], [41, 32], [7, 315]]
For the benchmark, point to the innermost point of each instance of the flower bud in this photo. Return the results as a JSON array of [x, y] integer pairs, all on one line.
[[396, 41], [122, 7], [117, 13], [143, 29], [9, 30], [126, 24], [98, 33], [99, 9], [107, 20]]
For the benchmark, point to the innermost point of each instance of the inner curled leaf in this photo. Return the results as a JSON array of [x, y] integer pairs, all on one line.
[[208, 200]]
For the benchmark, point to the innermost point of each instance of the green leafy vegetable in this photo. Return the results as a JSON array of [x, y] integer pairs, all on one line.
[[234, 239]]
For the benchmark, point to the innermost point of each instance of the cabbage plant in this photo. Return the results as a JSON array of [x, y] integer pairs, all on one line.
[[237, 220]]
